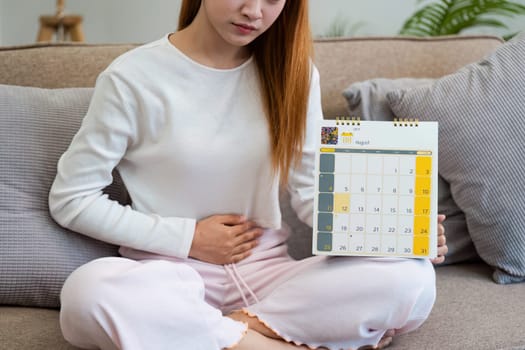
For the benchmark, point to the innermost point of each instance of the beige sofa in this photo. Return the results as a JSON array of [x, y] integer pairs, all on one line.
[[471, 311]]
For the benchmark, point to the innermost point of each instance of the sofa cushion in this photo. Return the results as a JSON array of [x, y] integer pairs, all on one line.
[[480, 110], [36, 255], [342, 61], [470, 313]]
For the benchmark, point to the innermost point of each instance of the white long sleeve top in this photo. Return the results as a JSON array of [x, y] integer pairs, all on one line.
[[189, 141]]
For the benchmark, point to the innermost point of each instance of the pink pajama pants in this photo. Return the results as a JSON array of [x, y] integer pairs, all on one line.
[[146, 301]]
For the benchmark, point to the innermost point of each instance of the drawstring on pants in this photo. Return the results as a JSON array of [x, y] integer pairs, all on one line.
[[231, 269]]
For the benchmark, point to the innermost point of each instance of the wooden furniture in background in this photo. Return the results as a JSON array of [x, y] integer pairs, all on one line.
[[64, 27]]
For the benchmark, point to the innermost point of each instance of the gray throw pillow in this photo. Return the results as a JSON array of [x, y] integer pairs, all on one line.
[[480, 111], [36, 255], [368, 100]]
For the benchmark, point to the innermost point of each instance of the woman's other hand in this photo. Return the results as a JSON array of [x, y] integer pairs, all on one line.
[[442, 241]]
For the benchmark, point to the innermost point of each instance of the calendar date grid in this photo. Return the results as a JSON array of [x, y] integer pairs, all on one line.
[[374, 202]]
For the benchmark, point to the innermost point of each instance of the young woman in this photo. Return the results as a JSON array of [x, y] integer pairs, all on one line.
[[204, 125]]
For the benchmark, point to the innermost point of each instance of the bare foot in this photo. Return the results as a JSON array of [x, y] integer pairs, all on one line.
[[385, 341], [254, 323], [261, 337], [254, 340]]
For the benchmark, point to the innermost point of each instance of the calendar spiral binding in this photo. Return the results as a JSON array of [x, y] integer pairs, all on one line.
[[347, 121], [404, 122], [398, 122]]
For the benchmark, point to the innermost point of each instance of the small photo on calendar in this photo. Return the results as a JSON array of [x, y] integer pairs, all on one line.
[[376, 188]]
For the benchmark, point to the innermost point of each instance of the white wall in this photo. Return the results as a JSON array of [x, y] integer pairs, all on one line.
[[145, 20], [1, 21], [377, 17], [104, 20]]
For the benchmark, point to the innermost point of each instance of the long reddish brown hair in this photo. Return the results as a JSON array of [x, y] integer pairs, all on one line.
[[283, 57]]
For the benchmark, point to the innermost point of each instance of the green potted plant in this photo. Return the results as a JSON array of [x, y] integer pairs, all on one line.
[[447, 17]]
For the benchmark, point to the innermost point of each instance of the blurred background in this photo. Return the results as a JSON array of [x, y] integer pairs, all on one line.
[[137, 21]]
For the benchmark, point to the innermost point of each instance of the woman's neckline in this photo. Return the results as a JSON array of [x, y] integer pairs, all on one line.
[[202, 65]]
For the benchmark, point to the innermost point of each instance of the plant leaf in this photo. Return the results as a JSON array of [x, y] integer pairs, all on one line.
[[419, 22], [445, 17], [487, 22]]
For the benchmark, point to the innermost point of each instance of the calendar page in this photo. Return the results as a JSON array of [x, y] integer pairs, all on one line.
[[376, 188]]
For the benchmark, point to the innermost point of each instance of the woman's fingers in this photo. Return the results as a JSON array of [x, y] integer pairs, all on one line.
[[442, 240], [245, 247], [244, 244], [443, 250], [438, 260]]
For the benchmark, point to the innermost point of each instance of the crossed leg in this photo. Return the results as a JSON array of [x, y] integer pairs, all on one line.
[[365, 300], [261, 337]]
